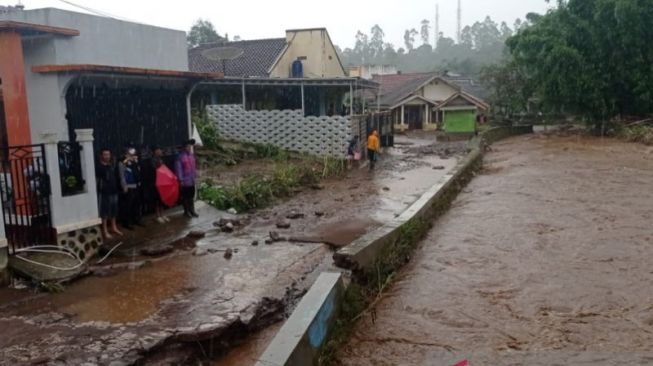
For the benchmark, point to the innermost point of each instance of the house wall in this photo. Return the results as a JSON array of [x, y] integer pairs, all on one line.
[[287, 129], [108, 41], [437, 91], [321, 57], [102, 41], [460, 121], [368, 71]]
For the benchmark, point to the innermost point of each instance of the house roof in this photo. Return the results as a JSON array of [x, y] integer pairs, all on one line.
[[411, 98], [469, 86], [27, 29], [395, 88], [469, 98], [133, 71], [256, 59]]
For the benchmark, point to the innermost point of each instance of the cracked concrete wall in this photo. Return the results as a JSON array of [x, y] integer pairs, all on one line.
[[287, 129]]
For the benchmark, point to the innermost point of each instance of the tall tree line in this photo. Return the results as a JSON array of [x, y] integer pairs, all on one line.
[[588, 58], [481, 44]]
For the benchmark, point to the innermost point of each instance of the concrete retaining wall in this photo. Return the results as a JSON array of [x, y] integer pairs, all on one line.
[[302, 336], [377, 252]]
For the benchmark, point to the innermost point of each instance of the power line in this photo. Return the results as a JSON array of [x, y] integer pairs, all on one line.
[[94, 11]]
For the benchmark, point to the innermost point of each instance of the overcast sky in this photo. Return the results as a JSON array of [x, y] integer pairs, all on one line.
[[251, 19]]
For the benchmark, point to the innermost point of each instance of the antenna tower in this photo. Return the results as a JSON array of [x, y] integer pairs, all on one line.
[[459, 33], [437, 25]]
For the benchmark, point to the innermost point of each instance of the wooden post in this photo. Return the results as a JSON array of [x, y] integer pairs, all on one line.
[[403, 116]]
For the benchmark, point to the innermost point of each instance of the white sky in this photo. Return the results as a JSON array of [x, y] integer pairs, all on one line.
[[253, 19]]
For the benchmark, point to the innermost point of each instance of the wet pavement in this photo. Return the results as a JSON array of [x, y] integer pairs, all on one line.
[[545, 259], [137, 306]]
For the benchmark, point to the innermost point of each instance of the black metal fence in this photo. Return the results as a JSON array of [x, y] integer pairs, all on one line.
[[25, 193], [70, 168]]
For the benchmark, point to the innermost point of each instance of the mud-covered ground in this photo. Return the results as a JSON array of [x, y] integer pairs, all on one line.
[[545, 259], [162, 307]]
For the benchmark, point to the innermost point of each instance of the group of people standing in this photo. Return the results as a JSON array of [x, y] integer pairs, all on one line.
[[128, 188]]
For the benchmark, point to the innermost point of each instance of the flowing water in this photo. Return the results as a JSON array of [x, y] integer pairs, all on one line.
[[545, 259]]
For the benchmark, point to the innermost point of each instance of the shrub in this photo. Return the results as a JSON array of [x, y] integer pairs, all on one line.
[[207, 130]]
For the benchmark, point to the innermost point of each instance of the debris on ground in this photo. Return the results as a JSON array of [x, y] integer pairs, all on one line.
[[386, 189], [444, 150], [228, 253], [294, 215], [276, 237], [228, 225], [232, 211], [200, 252], [255, 243], [283, 224], [196, 234], [439, 167], [319, 214], [157, 250]]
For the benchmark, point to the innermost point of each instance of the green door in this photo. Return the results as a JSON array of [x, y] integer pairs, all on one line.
[[460, 121]]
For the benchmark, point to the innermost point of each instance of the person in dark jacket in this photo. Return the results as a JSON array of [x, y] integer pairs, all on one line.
[[107, 187], [130, 185]]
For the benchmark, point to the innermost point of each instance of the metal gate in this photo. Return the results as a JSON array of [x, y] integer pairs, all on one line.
[[25, 193]]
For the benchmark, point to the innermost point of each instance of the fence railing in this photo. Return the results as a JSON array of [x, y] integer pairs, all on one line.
[[25, 192]]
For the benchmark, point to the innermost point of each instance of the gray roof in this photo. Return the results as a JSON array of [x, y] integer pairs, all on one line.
[[395, 88], [469, 86], [257, 57]]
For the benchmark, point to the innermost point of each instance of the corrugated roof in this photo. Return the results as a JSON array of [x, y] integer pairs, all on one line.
[[257, 57]]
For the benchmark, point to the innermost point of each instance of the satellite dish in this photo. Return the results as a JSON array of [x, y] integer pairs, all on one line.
[[223, 53]]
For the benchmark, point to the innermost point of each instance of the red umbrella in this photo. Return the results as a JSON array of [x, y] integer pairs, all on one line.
[[167, 185]]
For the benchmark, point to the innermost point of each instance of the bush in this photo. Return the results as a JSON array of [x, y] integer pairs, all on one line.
[[207, 130]]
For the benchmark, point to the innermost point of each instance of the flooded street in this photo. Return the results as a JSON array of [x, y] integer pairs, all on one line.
[[546, 258], [142, 308]]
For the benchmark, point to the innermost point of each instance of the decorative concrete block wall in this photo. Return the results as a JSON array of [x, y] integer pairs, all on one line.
[[85, 242], [287, 129]]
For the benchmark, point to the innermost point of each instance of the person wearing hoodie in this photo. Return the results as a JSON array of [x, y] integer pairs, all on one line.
[[373, 148], [186, 170]]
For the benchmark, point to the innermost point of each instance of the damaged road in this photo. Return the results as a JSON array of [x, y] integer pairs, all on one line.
[[169, 297]]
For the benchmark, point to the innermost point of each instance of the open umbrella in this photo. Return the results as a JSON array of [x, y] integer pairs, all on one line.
[[167, 185]]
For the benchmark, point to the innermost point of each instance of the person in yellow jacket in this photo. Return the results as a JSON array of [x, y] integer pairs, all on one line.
[[373, 148]]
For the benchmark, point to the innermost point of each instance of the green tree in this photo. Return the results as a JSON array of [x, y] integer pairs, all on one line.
[[590, 58], [202, 32], [409, 39], [376, 44]]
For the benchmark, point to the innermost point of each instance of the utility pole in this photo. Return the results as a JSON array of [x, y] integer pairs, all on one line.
[[437, 25], [459, 33]]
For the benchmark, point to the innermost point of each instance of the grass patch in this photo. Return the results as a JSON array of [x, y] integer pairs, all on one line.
[[639, 134], [257, 191]]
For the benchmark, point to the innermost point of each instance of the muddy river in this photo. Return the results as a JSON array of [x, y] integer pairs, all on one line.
[[545, 259]]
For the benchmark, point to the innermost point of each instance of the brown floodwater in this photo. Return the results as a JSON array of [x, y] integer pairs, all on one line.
[[545, 259]]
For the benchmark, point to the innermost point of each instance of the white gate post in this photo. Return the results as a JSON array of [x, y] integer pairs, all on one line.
[[85, 139]]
